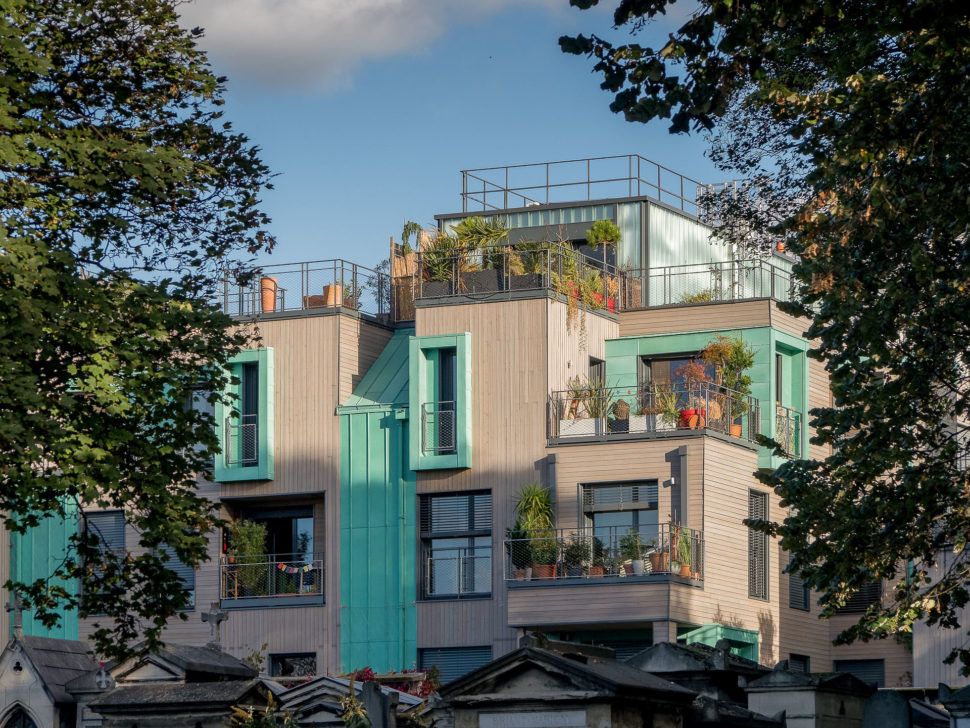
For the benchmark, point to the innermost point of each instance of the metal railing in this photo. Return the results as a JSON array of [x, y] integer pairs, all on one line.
[[737, 280], [519, 268], [457, 572], [605, 412], [788, 424], [242, 440], [667, 549], [438, 427], [319, 284], [573, 180], [270, 575]]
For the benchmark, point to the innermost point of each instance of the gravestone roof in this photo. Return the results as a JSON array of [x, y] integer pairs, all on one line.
[[58, 662], [176, 695]]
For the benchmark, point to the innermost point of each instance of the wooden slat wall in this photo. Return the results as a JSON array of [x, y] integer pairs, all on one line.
[[819, 395], [898, 658], [795, 326], [672, 319], [591, 604], [569, 350], [360, 345], [802, 632], [509, 392]]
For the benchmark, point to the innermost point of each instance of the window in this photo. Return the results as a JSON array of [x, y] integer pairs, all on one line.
[[871, 672], [799, 663], [612, 510], [246, 426], [454, 662], [757, 547], [186, 574], [19, 719], [799, 595], [440, 402], [109, 527], [779, 379], [597, 371], [456, 541], [859, 602], [289, 531], [296, 664]]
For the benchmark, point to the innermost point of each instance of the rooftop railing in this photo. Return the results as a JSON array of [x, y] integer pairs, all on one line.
[[613, 412], [529, 267], [737, 280], [572, 555], [574, 180], [320, 284]]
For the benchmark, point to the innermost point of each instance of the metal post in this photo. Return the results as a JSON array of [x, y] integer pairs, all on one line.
[[506, 191], [588, 193], [464, 191]]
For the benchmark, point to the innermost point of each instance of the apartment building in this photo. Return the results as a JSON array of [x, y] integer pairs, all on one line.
[[388, 422]]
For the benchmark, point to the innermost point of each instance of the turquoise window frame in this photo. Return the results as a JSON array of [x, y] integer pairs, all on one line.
[[263, 470], [423, 381]]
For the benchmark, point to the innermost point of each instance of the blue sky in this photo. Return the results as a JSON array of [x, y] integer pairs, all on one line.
[[368, 109]]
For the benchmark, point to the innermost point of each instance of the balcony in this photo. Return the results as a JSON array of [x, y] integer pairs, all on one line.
[[788, 430], [737, 280], [614, 413], [605, 556], [271, 580], [242, 441], [315, 286], [457, 573], [438, 431]]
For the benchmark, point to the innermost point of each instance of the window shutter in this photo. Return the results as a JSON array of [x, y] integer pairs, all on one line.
[[871, 672], [454, 662], [444, 514], [109, 526], [186, 574], [619, 496], [859, 602], [798, 663], [757, 547]]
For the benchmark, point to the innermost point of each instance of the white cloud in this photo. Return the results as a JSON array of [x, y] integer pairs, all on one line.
[[319, 43]]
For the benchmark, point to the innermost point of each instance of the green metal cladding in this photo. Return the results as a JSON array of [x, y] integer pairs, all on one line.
[[378, 536], [622, 356], [264, 469], [34, 555]]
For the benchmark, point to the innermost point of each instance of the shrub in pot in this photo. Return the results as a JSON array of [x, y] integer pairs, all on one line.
[[631, 548]]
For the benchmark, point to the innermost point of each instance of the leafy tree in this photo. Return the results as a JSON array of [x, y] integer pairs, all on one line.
[[851, 119], [123, 198]]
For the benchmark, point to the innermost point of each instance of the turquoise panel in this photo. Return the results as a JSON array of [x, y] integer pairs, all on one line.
[[378, 543], [224, 473], [34, 555], [677, 239], [386, 382], [744, 642]]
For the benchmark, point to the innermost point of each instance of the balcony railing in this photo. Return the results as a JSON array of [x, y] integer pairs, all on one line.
[[457, 572], [737, 280], [270, 576], [788, 427], [546, 556], [242, 441], [522, 267], [320, 284], [611, 412], [573, 180], [438, 436]]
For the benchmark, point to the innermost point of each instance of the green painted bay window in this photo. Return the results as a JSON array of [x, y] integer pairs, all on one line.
[[440, 402], [245, 427]]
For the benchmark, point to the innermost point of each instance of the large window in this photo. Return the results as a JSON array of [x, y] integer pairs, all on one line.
[[871, 672], [454, 662], [613, 510], [440, 402], [757, 547], [246, 426], [109, 528], [858, 603], [456, 545], [186, 574]]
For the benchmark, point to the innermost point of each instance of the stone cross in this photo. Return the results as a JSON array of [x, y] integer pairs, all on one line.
[[16, 606], [214, 617]]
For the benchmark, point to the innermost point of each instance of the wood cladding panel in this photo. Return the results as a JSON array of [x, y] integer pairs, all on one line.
[[590, 603], [361, 343], [794, 325], [819, 395], [509, 393], [715, 316], [569, 349], [456, 623]]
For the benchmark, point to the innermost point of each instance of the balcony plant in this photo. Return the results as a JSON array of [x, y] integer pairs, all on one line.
[[684, 553], [695, 376], [485, 239], [731, 358], [576, 555], [665, 406], [246, 548], [631, 549], [658, 558], [603, 233], [534, 516], [587, 410], [598, 566]]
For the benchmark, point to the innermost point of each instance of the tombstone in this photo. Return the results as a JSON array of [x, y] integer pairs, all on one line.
[[214, 617], [886, 709]]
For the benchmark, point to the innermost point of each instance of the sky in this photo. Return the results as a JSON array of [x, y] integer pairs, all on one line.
[[367, 110]]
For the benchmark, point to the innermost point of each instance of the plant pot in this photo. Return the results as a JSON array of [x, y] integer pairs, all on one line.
[[692, 419], [596, 572], [314, 301], [332, 295], [350, 303], [585, 427], [619, 426], [436, 289], [543, 571], [520, 574], [685, 570], [735, 430], [657, 562], [526, 282], [481, 281], [637, 423], [267, 294], [574, 571], [638, 567]]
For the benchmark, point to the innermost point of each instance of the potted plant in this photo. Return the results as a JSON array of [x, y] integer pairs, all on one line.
[[684, 554], [534, 518], [543, 548], [532, 264], [586, 413], [268, 287], [731, 358], [631, 549], [620, 422], [658, 558], [598, 565], [441, 262], [576, 555], [517, 546], [486, 240], [246, 548], [603, 233], [695, 377], [666, 411], [352, 293]]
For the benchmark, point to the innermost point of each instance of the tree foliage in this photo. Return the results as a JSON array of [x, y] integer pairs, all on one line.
[[123, 198], [851, 119]]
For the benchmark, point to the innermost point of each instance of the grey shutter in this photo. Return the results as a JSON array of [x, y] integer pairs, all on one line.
[[871, 672], [757, 547], [464, 514], [454, 662], [185, 573], [798, 593], [859, 602], [799, 663], [109, 526]]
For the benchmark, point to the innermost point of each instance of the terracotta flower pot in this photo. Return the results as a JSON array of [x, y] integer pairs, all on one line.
[[735, 430], [685, 570], [596, 572], [543, 571], [267, 294], [332, 295], [692, 419]]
